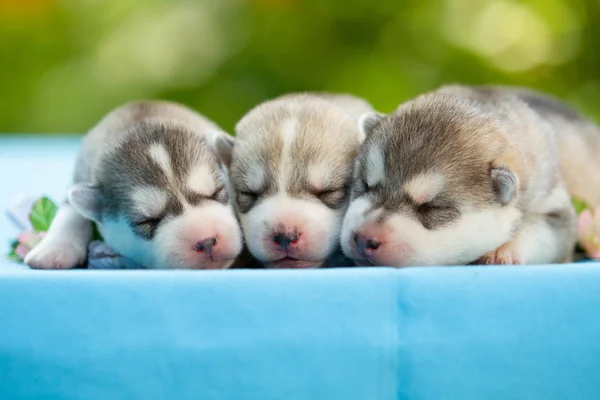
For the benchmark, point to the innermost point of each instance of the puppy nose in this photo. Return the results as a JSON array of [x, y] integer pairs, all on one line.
[[284, 239], [366, 245], [205, 245], [372, 244]]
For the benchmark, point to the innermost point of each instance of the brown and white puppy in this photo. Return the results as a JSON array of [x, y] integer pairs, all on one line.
[[291, 170], [471, 174], [147, 176]]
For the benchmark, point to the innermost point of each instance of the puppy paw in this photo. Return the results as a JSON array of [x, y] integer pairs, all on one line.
[[56, 254], [503, 255]]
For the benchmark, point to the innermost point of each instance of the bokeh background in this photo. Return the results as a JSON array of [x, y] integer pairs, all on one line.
[[65, 63]]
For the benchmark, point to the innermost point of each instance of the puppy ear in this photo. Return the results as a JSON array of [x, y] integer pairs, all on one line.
[[87, 200], [368, 121], [222, 145], [505, 184]]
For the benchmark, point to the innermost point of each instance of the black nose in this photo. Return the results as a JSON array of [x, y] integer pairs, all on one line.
[[365, 244], [205, 245], [372, 244], [284, 239]]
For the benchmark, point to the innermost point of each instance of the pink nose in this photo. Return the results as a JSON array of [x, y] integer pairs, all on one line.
[[285, 239], [366, 245], [205, 245]]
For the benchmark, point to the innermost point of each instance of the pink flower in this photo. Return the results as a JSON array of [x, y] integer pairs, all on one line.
[[588, 232], [27, 241]]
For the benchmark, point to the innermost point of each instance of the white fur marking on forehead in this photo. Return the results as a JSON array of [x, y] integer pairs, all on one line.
[[201, 180], [319, 175], [288, 134], [424, 187], [159, 154], [149, 201], [375, 168]]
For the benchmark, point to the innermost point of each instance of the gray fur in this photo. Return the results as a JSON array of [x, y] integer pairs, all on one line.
[[505, 184], [427, 137], [468, 135], [369, 121], [547, 106], [129, 165], [151, 148], [117, 151], [87, 199]]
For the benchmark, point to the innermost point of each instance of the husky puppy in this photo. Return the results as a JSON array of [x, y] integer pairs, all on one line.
[[471, 174], [145, 174], [291, 169]]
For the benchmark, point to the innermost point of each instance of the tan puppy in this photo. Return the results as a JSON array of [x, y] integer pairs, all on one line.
[[464, 174], [291, 170]]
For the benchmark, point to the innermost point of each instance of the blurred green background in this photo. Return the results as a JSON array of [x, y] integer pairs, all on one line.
[[65, 63]]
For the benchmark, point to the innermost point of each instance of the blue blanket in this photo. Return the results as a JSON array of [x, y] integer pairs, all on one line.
[[366, 334]]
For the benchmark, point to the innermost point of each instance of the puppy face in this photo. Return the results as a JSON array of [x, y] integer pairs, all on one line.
[[430, 186], [291, 170], [161, 200]]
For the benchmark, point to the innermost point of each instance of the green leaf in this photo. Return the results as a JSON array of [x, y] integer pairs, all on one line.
[[579, 205], [42, 214], [12, 254], [96, 233], [14, 257]]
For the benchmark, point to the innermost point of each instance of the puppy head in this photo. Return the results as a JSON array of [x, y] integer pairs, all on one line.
[[160, 199], [434, 184], [291, 170]]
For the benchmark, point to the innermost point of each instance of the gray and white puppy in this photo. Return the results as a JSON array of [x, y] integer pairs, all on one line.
[[480, 174], [147, 176], [291, 169]]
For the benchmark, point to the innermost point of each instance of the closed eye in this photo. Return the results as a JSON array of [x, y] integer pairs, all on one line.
[[434, 216], [424, 207], [148, 222], [431, 207], [218, 193], [248, 193], [246, 200], [146, 226], [327, 192], [333, 198]]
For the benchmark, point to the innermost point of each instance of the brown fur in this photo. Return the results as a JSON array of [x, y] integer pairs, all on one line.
[[298, 147], [325, 135], [463, 133]]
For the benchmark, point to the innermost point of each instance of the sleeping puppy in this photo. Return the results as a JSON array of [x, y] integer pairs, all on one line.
[[146, 175], [471, 174], [291, 169]]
